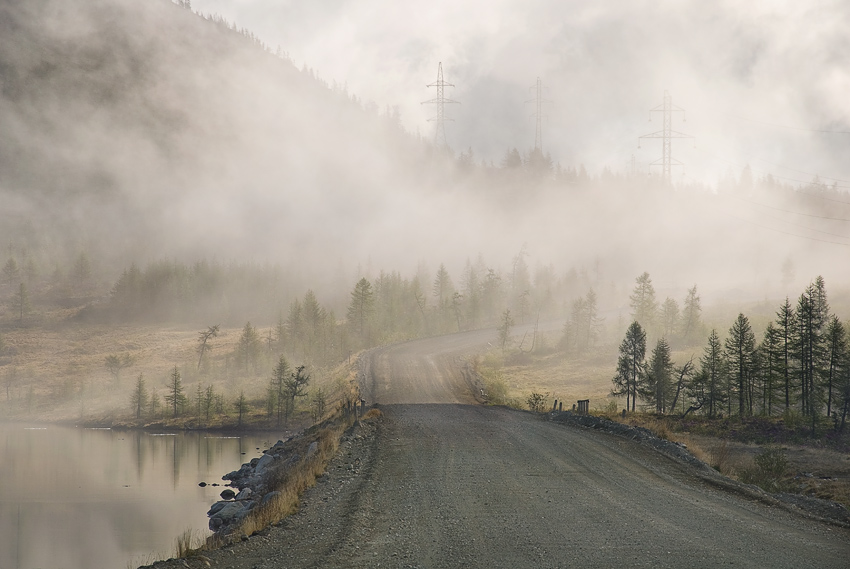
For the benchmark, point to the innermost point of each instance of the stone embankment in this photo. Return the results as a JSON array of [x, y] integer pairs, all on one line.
[[255, 482]]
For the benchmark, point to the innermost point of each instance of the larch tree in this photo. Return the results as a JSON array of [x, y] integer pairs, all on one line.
[[139, 397], [771, 369], [295, 386], [655, 386], [691, 324], [708, 388], [204, 337], [836, 348], [740, 354], [22, 302], [241, 406], [277, 388], [643, 303], [669, 317], [786, 327], [250, 348], [360, 309], [812, 315], [11, 270], [443, 291], [630, 364], [175, 397], [504, 328]]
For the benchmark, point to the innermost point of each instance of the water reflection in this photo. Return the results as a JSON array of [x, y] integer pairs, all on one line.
[[89, 498]]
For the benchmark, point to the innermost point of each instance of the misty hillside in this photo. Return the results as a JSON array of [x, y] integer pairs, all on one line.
[[140, 131]]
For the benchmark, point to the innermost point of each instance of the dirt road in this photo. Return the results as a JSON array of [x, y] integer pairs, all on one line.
[[446, 483]]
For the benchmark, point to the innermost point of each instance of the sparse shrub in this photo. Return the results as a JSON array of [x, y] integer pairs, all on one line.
[[536, 402], [318, 403], [495, 387], [792, 419], [372, 414], [769, 470], [720, 458]]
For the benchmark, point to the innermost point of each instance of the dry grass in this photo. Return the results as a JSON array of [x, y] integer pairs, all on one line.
[[372, 414], [301, 477], [56, 372], [189, 544]]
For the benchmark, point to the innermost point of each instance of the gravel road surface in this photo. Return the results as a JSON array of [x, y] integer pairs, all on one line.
[[443, 482]]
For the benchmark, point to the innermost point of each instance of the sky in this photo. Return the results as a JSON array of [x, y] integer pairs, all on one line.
[[763, 83]]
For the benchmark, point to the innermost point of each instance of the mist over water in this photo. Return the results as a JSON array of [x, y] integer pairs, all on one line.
[[97, 498]]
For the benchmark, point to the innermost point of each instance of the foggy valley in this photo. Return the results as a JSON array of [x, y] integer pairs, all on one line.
[[204, 191]]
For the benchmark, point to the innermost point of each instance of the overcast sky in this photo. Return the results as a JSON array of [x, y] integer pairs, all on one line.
[[756, 79]]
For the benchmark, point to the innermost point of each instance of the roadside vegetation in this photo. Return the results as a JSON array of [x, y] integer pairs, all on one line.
[[771, 413]]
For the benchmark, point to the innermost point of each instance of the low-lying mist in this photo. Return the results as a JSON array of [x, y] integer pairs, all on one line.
[[137, 132]]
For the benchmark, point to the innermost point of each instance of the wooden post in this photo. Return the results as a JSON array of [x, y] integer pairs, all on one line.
[[583, 406], [554, 405]]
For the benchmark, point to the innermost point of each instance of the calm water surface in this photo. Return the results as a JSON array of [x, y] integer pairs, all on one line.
[[73, 498]]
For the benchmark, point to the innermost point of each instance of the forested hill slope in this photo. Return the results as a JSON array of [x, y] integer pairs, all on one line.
[[135, 130]]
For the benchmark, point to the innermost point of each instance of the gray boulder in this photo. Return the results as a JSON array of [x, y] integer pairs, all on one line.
[[264, 462]]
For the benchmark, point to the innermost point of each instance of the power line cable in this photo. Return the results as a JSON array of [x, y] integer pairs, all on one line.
[[783, 178], [786, 232], [802, 129], [791, 212]]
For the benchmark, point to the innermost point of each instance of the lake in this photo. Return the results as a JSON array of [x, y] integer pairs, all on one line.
[[75, 498]]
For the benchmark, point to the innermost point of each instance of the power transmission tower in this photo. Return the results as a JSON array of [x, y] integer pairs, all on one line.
[[440, 100], [538, 115], [667, 134]]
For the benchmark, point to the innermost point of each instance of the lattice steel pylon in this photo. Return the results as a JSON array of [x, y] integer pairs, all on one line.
[[538, 115], [440, 100], [667, 134]]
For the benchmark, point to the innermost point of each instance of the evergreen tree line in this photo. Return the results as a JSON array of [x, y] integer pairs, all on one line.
[[800, 365]]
